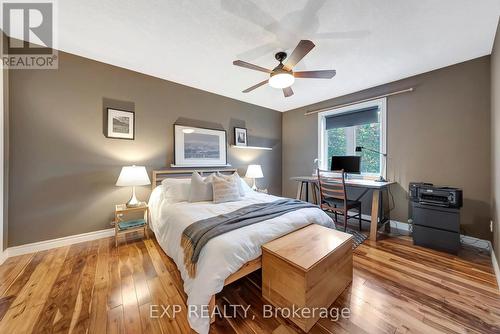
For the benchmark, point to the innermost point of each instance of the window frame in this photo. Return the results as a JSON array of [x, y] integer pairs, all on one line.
[[323, 140]]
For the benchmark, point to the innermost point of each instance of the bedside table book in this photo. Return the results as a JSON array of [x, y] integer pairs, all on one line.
[[125, 225]]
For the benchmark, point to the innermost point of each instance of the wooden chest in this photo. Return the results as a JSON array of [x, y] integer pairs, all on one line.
[[306, 269]]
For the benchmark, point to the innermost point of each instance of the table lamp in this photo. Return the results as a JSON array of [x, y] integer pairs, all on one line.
[[132, 176], [254, 172]]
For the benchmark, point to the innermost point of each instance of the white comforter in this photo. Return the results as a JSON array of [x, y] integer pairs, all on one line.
[[226, 253]]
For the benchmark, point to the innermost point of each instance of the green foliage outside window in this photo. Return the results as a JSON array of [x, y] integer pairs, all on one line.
[[337, 143], [367, 135]]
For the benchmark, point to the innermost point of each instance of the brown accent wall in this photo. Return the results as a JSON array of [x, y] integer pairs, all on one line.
[[495, 141], [439, 133], [63, 169]]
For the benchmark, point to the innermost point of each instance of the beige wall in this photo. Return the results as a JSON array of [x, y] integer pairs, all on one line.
[[495, 141], [63, 169], [439, 133]]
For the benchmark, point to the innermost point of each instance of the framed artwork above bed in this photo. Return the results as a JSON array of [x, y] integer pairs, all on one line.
[[199, 147]]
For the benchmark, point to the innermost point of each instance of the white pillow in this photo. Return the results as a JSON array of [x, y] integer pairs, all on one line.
[[176, 190], [201, 188], [237, 179], [244, 186], [226, 189]]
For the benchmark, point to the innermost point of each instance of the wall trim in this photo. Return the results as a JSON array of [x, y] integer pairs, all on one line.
[[494, 262], [54, 243], [3, 256]]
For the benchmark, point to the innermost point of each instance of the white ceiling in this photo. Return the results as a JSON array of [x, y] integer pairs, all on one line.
[[368, 42]]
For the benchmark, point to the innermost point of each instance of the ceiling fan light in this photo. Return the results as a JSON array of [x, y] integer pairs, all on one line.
[[281, 80]]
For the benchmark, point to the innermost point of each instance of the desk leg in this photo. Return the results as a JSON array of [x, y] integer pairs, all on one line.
[[299, 190], [314, 190], [307, 191], [375, 213]]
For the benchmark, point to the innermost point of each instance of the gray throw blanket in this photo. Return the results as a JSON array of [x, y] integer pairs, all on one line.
[[196, 235]]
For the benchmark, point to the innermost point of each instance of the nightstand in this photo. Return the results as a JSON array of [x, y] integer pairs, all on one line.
[[123, 226]]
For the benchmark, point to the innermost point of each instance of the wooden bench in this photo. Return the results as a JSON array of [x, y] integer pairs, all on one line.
[[308, 268]]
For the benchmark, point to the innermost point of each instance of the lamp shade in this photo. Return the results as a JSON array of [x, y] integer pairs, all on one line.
[[133, 176], [254, 172]]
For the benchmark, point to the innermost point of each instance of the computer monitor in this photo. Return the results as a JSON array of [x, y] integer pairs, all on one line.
[[350, 164]]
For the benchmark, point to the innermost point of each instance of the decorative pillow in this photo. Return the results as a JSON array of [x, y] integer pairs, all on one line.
[[244, 185], [237, 179], [176, 190], [201, 189], [225, 190]]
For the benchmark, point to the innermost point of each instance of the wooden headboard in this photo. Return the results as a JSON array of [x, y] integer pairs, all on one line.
[[160, 175]]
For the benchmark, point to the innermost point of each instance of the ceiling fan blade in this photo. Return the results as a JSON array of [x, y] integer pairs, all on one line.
[[324, 74], [288, 91], [250, 66], [255, 86], [303, 48]]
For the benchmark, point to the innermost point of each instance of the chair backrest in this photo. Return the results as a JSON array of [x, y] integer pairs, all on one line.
[[331, 185]]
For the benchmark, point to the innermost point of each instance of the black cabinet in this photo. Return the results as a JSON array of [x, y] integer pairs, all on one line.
[[436, 227]]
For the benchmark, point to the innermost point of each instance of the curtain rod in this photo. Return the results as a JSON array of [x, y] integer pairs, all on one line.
[[311, 112]]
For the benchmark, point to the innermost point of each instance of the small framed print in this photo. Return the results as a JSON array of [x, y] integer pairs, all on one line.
[[240, 137], [120, 124]]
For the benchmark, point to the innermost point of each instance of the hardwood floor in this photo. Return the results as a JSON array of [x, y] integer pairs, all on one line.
[[94, 287]]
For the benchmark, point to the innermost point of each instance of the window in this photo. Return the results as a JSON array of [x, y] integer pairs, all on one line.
[[341, 130]]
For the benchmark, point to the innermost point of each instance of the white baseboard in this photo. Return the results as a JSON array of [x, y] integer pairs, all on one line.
[[496, 268], [54, 243], [3, 256]]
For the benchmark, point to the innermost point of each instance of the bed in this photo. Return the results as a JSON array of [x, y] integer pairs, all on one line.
[[225, 258]]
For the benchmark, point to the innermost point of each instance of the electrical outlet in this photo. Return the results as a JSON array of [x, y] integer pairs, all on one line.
[[491, 225]]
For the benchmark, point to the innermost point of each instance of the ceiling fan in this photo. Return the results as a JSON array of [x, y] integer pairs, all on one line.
[[282, 75]]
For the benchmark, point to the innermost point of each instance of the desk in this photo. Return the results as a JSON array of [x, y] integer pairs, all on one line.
[[377, 187]]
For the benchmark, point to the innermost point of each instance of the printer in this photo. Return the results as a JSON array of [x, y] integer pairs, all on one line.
[[435, 212], [428, 194]]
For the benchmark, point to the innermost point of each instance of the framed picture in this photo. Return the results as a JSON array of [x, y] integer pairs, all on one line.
[[199, 147], [120, 124], [240, 137]]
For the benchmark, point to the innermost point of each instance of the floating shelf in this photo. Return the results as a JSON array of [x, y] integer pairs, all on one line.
[[253, 147], [198, 166]]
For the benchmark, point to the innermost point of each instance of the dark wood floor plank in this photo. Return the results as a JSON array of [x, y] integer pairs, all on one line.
[[58, 308], [139, 276], [131, 317], [149, 324], [98, 308], [115, 321], [114, 289], [29, 302], [20, 277], [81, 316], [11, 269]]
